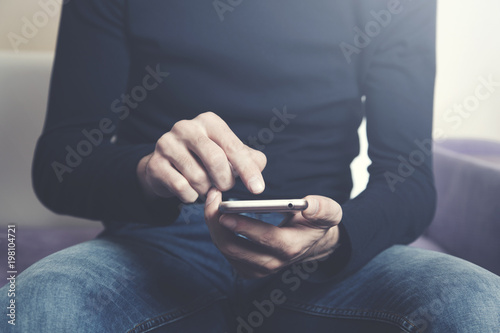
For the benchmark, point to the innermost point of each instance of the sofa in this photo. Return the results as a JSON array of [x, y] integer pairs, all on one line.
[[467, 172]]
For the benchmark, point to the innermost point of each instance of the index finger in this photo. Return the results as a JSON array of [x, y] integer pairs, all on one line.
[[242, 158]]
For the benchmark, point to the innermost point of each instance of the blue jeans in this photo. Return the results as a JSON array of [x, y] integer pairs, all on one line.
[[138, 278]]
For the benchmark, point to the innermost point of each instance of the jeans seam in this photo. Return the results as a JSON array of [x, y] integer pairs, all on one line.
[[172, 316], [402, 321]]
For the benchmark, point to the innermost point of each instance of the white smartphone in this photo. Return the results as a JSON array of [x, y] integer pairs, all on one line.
[[263, 206]]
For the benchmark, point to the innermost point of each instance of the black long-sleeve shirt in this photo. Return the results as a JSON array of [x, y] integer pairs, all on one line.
[[292, 78]]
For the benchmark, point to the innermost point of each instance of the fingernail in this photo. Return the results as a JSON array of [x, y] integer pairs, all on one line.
[[228, 222], [256, 185]]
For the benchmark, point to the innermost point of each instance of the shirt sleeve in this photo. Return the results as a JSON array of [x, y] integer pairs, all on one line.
[[399, 200], [77, 170]]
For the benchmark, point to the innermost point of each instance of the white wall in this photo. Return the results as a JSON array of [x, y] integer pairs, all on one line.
[[34, 21], [468, 49]]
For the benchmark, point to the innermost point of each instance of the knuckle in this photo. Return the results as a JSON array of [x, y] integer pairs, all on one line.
[[201, 140], [217, 163], [267, 239], [154, 166], [272, 238], [199, 181], [208, 116], [235, 147], [197, 178], [292, 251], [226, 185], [184, 162], [164, 143], [181, 127]]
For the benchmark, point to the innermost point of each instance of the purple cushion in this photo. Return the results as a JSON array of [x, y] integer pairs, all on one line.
[[425, 242], [33, 244]]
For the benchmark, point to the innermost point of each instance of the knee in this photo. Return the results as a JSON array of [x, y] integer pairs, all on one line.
[[68, 289], [77, 272], [457, 309], [454, 295]]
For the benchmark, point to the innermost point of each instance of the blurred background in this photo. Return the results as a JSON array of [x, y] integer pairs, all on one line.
[[467, 103]]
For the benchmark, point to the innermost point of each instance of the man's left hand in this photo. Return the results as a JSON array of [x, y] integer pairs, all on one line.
[[304, 236]]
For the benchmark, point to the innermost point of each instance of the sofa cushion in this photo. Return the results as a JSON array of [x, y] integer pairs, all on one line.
[[35, 243], [467, 221]]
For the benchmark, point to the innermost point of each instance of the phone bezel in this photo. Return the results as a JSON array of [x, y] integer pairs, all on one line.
[[263, 206]]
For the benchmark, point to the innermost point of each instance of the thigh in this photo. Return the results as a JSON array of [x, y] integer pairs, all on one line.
[[136, 280], [403, 289]]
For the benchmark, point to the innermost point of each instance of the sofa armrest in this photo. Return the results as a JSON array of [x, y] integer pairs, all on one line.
[[467, 221]]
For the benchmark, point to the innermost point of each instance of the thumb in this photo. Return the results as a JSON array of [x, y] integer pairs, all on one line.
[[322, 212], [214, 198]]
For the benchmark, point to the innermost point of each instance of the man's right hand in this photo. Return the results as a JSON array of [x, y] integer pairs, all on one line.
[[199, 154]]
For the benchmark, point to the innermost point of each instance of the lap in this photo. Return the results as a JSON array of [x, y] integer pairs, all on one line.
[[134, 279], [413, 290], [169, 279]]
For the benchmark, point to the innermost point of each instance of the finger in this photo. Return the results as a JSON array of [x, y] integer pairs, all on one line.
[[286, 243], [326, 245], [250, 257], [185, 163], [214, 161], [225, 238], [192, 136], [259, 158], [220, 235], [235, 248], [245, 165], [322, 212], [166, 181], [192, 170], [238, 154], [172, 146]]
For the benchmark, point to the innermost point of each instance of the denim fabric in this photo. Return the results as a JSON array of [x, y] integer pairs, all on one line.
[[139, 278]]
